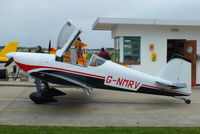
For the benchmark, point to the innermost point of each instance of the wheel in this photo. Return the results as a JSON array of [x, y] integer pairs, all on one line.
[[188, 101], [37, 98]]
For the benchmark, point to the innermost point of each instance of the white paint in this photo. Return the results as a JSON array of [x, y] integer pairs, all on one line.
[[109, 23]]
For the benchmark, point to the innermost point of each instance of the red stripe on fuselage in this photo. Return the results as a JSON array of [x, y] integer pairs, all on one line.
[[31, 67]]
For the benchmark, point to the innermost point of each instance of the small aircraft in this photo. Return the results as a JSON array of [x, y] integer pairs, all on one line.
[[10, 47], [174, 80]]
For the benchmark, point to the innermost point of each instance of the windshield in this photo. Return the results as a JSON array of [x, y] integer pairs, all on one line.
[[96, 61]]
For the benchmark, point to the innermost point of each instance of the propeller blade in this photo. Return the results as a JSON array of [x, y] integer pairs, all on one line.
[[49, 46], [9, 62]]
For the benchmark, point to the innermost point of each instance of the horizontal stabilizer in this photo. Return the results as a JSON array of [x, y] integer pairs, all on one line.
[[171, 84]]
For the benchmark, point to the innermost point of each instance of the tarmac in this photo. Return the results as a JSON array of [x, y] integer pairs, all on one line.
[[102, 108]]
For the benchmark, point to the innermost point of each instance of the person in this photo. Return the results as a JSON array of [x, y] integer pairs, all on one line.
[[81, 55], [104, 54], [39, 49], [29, 50]]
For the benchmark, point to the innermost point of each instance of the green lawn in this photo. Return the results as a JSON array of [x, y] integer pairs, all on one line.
[[96, 130]]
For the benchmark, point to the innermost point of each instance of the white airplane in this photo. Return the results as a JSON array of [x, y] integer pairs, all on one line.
[[174, 80]]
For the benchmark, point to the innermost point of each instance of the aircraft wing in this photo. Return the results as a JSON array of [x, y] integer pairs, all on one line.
[[170, 84], [70, 80]]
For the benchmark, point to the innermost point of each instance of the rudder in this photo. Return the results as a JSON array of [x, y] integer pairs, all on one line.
[[178, 71]]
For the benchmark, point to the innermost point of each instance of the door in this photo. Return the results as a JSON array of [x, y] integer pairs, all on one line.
[[190, 53]]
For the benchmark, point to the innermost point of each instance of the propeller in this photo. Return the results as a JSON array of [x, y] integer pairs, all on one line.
[[49, 46], [9, 61]]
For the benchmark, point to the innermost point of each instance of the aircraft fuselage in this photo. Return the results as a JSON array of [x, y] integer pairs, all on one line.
[[109, 75]]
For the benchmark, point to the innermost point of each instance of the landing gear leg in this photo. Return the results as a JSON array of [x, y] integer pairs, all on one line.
[[187, 101], [44, 95]]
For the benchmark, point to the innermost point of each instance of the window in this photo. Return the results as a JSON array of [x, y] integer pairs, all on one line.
[[132, 49], [96, 61], [116, 49]]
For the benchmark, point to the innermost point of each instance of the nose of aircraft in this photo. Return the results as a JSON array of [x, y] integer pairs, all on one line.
[[9, 55]]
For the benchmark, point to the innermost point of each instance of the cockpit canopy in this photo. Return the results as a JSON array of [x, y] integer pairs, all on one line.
[[65, 34], [68, 34], [67, 46], [96, 61]]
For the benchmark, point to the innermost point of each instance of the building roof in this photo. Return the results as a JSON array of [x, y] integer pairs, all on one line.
[[109, 23]]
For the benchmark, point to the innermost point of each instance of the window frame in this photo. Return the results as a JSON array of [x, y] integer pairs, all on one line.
[[117, 49]]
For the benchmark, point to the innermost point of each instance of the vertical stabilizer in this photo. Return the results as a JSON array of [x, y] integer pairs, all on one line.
[[10, 47], [177, 72]]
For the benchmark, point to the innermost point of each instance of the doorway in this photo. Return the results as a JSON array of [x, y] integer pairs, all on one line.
[[186, 48]]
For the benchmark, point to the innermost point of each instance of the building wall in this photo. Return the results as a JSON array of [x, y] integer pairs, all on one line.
[[158, 36]]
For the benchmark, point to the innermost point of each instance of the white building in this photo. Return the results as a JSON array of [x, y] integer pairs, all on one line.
[[147, 44]]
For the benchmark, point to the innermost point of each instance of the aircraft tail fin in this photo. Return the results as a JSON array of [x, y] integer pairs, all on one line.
[[176, 74], [10, 47]]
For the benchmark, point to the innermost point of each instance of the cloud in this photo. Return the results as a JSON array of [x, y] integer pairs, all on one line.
[[34, 22]]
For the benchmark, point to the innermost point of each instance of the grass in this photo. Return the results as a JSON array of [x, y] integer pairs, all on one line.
[[5, 129]]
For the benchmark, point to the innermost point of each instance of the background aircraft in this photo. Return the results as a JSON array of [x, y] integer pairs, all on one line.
[[174, 80], [10, 47]]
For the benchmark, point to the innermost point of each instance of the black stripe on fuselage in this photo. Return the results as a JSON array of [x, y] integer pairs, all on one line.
[[95, 82]]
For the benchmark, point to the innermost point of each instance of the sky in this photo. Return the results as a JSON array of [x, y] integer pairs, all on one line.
[[35, 22]]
